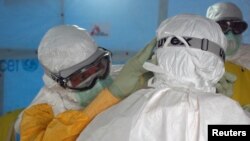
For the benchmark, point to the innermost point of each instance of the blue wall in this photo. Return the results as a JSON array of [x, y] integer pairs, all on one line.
[[22, 25], [24, 22], [22, 81], [131, 23]]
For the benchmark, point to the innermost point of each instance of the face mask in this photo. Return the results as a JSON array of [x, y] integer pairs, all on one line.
[[234, 42], [85, 97]]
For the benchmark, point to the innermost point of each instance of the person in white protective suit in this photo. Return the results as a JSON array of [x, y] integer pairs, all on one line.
[[230, 19], [180, 101], [77, 85], [62, 47]]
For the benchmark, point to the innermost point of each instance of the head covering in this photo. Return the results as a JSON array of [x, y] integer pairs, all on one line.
[[65, 46], [188, 67], [222, 11]]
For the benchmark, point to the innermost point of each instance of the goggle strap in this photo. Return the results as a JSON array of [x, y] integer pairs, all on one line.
[[61, 81], [202, 44]]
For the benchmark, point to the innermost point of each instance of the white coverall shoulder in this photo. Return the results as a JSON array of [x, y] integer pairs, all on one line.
[[181, 101]]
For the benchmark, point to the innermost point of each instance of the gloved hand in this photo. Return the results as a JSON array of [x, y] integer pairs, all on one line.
[[225, 85], [133, 76]]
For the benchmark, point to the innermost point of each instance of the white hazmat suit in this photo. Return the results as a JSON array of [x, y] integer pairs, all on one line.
[[181, 101], [52, 55]]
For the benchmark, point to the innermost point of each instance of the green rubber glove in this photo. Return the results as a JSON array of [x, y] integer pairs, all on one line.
[[225, 85], [133, 76]]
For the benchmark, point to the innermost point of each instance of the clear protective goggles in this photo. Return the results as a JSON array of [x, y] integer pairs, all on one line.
[[84, 75], [202, 44], [236, 26]]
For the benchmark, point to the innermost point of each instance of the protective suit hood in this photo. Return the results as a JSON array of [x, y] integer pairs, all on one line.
[[185, 66], [78, 43], [222, 11]]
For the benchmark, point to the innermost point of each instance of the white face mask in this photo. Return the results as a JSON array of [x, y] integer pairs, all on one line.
[[234, 42]]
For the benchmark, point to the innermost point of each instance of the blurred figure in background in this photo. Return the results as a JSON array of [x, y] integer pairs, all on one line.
[[231, 21]]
